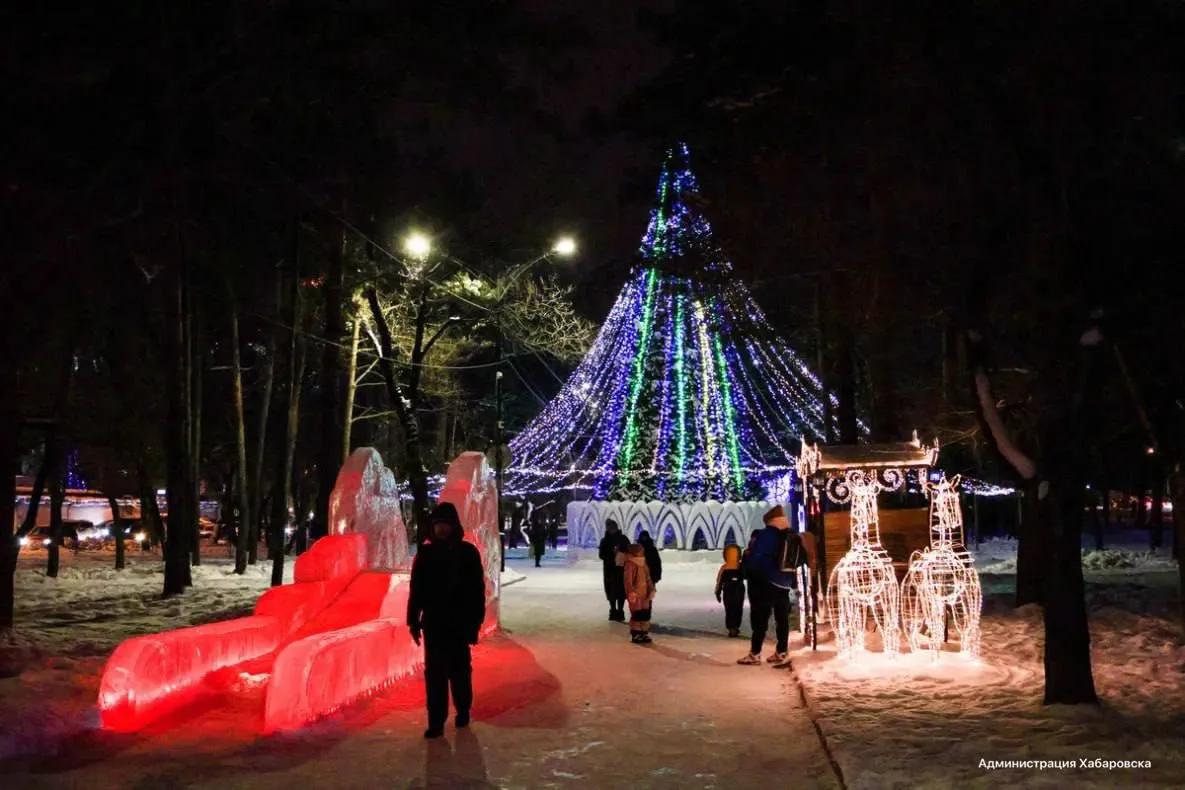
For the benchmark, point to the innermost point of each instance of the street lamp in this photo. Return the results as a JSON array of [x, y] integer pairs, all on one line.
[[565, 246], [417, 245]]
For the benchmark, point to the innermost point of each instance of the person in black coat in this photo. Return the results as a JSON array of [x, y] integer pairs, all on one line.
[[653, 561], [538, 533], [447, 604], [614, 574]]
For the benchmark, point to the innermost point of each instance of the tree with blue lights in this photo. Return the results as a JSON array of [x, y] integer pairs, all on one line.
[[687, 393]]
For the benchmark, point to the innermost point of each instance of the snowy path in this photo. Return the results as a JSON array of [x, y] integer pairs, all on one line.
[[563, 700]]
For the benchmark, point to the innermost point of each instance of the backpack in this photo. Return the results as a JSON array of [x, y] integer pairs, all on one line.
[[793, 555]]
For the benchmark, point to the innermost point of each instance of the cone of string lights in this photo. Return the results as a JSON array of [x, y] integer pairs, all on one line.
[[863, 584], [941, 582], [688, 393]]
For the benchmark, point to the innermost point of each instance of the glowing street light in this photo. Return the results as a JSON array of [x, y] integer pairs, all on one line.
[[417, 245], [565, 245]]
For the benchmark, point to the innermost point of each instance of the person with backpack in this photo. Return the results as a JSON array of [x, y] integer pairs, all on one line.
[[769, 586]]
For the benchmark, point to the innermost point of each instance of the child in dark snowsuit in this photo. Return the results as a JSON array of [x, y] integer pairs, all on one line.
[[730, 587]]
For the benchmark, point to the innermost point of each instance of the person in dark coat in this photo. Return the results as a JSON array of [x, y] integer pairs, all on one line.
[[516, 523], [769, 587], [653, 561], [538, 533], [614, 574], [447, 604]]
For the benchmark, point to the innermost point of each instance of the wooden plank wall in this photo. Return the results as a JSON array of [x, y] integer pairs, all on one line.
[[901, 533]]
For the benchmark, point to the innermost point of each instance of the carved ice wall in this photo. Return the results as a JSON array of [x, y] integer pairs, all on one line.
[[365, 500], [714, 521]]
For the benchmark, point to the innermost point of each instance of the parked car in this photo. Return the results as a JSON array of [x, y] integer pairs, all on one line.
[[40, 537], [135, 533]]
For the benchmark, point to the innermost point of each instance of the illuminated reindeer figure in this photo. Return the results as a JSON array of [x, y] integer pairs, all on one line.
[[942, 579], [863, 583]]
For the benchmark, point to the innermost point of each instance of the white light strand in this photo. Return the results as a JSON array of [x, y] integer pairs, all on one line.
[[863, 583], [942, 581]]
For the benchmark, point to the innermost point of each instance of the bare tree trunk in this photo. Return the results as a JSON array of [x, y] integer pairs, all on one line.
[[269, 376], [57, 495], [282, 484], [351, 384], [821, 360], [178, 483], [1105, 522], [149, 512], [1030, 552], [846, 378], [195, 359], [117, 529], [417, 475], [1156, 515], [9, 547], [236, 374], [329, 459], [1068, 675]]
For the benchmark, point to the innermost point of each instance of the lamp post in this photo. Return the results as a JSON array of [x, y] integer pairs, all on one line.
[[565, 247]]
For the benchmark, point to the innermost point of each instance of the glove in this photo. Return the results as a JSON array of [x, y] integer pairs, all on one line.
[[718, 597], [415, 633]]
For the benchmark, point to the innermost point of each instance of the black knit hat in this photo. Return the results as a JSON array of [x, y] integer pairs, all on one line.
[[447, 512]]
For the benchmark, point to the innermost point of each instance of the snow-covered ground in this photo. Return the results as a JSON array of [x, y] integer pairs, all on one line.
[[910, 722], [563, 699]]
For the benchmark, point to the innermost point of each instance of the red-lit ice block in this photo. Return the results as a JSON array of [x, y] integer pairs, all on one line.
[[324, 672], [337, 633], [148, 676], [329, 668]]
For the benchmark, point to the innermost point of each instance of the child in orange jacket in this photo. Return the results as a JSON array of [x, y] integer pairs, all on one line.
[[639, 592]]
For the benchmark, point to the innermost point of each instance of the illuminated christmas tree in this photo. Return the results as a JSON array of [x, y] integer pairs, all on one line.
[[687, 393]]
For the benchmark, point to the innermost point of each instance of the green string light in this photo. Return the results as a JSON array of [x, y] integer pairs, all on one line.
[[681, 379], [729, 417], [636, 376]]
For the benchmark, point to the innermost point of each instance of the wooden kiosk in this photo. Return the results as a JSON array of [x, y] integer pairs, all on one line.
[[823, 470]]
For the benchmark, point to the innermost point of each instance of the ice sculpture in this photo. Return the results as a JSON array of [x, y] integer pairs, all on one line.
[[469, 487], [863, 583], [365, 500], [942, 580], [357, 646], [337, 633], [150, 676]]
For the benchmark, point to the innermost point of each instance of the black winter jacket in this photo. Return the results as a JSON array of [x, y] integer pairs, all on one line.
[[653, 560], [610, 545], [448, 592]]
